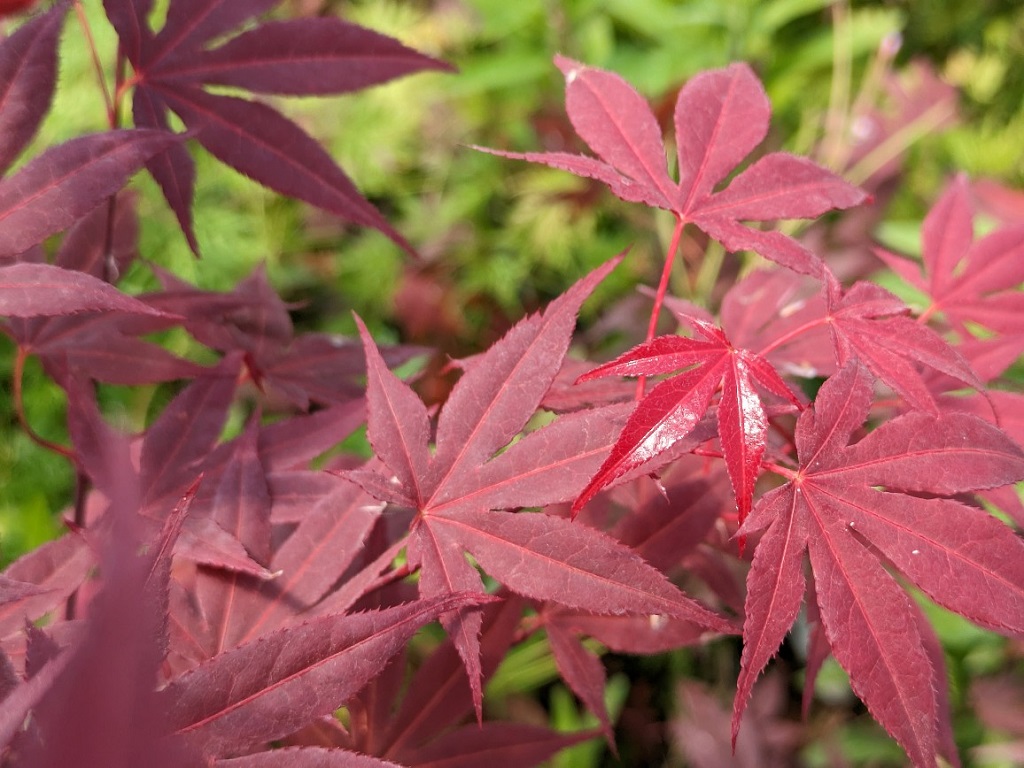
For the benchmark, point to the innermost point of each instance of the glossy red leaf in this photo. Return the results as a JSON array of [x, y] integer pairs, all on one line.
[[845, 506], [269, 688], [670, 411], [69, 180], [489, 406], [28, 74]]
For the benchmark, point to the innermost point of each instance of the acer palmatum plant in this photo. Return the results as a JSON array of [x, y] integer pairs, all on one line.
[[218, 601]]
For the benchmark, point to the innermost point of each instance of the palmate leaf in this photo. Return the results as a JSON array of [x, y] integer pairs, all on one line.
[[969, 282], [848, 506], [535, 555], [870, 324], [720, 118], [313, 56], [670, 411]]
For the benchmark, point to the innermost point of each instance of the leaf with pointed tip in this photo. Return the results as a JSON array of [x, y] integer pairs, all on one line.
[[187, 430], [67, 181], [673, 408], [28, 74], [174, 170], [720, 117], [438, 695], [128, 18], [832, 508], [869, 323], [101, 346], [300, 57], [259, 142], [191, 23], [42, 290], [583, 672], [969, 282], [489, 406], [269, 688], [58, 568]]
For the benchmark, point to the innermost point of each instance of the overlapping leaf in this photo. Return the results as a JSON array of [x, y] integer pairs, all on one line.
[[67, 181], [538, 556], [295, 57], [970, 283], [720, 118], [870, 324], [670, 411], [269, 688], [856, 508]]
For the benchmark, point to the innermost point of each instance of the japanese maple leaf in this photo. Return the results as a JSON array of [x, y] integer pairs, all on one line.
[[720, 118], [297, 57], [857, 510], [869, 323], [455, 490], [671, 410], [968, 282]]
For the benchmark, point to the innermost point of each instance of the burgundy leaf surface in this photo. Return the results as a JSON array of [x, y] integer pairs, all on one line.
[[41, 290], [833, 509], [271, 687], [28, 74], [69, 180]]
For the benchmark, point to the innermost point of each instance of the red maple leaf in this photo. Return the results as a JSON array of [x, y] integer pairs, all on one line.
[[720, 118], [969, 282], [855, 509], [670, 411], [456, 491], [297, 57]]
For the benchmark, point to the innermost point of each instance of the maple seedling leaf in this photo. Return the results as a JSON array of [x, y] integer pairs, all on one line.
[[671, 410], [458, 490], [858, 509], [720, 118]]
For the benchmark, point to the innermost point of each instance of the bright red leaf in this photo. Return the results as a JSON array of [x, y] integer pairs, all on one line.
[[670, 411]]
